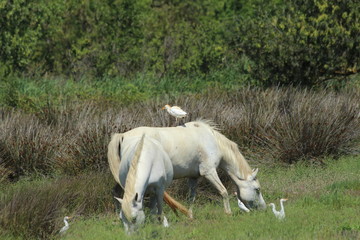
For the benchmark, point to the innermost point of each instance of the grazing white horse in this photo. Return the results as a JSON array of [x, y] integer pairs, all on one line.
[[145, 168], [198, 149]]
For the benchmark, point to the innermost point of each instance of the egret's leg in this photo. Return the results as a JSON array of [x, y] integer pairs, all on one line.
[[213, 177]]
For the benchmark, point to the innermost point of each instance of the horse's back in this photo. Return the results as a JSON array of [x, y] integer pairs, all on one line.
[[188, 147]]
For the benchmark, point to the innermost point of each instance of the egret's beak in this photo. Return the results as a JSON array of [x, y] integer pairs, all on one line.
[[162, 108]]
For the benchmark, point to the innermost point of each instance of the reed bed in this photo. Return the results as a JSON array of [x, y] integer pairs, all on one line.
[[272, 126]]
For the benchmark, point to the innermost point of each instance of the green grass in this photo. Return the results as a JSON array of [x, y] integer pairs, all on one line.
[[33, 94], [324, 203], [307, 218]]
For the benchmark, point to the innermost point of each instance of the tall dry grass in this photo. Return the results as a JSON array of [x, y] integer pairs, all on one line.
[[269, 125], [27, 146], [290, 124], [35, 209]]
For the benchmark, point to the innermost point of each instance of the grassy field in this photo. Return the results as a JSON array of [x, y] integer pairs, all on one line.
[[324, 203], [53, 162]]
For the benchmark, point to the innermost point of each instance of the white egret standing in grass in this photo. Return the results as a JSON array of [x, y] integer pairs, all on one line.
[[241, 204], [66, 227], [279, 214], [175, 111]]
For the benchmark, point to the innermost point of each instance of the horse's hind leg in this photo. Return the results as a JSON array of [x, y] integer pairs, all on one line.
[[213, 177], [192, 185]]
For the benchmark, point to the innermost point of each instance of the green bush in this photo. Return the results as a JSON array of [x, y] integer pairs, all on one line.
[[304, 42], [276, 42]]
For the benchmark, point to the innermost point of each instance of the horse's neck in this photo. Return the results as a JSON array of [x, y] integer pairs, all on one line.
[[133, 159], [234, 160], [142, 176]]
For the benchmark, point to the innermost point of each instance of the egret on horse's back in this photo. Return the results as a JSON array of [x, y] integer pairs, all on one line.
[[145, 168], [195, 150]]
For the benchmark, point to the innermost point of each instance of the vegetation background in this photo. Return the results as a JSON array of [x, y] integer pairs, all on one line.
[[279, 77]]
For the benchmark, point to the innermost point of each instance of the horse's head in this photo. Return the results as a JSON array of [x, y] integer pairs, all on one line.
[[249, 191], [131, 214]]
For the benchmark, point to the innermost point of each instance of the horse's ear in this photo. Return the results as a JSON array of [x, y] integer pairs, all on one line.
[[119, 199], [253, 175]]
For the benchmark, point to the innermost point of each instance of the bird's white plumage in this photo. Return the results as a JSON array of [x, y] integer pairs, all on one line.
[[279, 214], [66, 227], [242, 205], [165, 222], [175, 111]]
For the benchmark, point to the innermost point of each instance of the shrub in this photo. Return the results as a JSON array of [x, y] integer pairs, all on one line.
[[290, 124], [303, 42], [36, 209], [269, 125], [26, 145]]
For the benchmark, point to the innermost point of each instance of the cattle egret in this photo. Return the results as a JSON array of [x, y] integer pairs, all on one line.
[[66, 227], [165, 222], [279, 214], [175, 111], [242, 205]]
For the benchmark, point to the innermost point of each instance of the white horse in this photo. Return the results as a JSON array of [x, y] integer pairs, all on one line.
[[195, 150], [145, 168]]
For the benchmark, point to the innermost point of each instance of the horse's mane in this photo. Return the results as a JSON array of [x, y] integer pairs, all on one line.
[[129, 191], [229, 149]]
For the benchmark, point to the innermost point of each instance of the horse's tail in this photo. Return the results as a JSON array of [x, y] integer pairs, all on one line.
[[114, 154], [176, 205]]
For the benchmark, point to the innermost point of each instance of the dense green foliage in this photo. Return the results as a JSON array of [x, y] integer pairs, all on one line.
[[276, 42]]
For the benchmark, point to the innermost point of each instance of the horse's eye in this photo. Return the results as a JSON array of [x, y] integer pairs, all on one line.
[[257, 190]]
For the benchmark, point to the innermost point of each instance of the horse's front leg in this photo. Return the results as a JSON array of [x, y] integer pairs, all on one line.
[[159, 203], [213, 177], [153, 202]]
